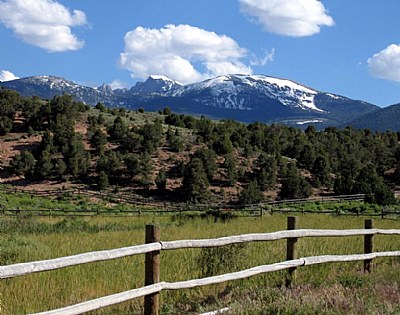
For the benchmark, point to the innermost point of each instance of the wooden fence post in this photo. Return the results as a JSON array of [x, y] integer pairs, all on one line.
[[152, 270], [291, 251], [368, 245]]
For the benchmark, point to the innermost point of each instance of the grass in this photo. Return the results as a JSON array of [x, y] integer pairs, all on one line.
[[321, 289]]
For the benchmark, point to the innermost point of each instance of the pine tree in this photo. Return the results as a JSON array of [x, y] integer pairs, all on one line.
[[266, 174], [230, 165], [251, 194], [294, 186], [98, 140], [161, 179], [195, 184], [60, 168], [102, 181], [208, 159], [44, 165], [118, 130], [23, 164], [322, 172]]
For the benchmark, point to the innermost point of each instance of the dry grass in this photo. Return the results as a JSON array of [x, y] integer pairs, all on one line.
[[323, 289]]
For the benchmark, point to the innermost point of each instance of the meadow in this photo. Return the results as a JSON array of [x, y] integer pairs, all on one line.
[[340, 288]]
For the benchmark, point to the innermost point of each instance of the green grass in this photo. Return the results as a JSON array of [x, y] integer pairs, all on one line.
[[60, 237]]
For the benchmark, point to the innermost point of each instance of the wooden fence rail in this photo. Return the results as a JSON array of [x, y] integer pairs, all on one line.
[[134, 199], [154, 246], [246, 212]]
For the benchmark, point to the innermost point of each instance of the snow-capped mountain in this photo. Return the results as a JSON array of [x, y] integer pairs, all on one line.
[[246, 98], [156, 84], [48, 86], [228, 90]]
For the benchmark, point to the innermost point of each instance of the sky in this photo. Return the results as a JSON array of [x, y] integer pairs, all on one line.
[[346, 47]]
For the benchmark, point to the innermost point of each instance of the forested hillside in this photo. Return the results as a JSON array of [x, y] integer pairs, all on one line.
[[182, 158]]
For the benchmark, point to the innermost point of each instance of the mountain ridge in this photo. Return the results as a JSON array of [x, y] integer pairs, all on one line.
[[246, 98]]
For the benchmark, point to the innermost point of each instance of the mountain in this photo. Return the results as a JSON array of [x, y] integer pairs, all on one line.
[[246, 98], [47, 87], [382, 119], [156, 84]]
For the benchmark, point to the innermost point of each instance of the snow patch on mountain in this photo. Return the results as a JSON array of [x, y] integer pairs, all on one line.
[[232, 88]]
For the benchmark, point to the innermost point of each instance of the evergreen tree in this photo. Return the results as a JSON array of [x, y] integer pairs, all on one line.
[[161, 179], [151, 136], [23, 164], [230, 165], [266, 174], [47, 143], [75, 156], [98, 140], [118, 130], [294, 185], [9, 102], [223, 144], [102, 181], [132, 164], [322, 171], [175, 140], [251, 194], [208, 159], [384, 196], [60, 168], [146, 169], [368, 180], [195, 183], [44, 165]]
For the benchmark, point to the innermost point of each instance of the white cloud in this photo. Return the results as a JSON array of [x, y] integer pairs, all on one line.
[[118, 84], [6, 75], [386, 63], [43, 23], [268, 57], [288, 17], [181, 52]]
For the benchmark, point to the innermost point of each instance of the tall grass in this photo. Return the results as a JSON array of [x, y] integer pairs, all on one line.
[[59, 237]]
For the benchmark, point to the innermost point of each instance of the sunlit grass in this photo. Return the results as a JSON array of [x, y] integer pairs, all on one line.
[[48, 290]]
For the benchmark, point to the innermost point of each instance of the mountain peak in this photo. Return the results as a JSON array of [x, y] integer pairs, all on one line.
[[156, 84], [287, 92]]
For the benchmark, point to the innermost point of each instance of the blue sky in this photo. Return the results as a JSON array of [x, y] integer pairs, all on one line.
[[351, 48]]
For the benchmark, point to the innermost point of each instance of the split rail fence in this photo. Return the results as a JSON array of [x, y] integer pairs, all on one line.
[[153, 246]]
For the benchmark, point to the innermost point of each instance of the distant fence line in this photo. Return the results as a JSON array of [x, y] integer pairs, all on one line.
[[153, 285], [132, 198], [217, 214], [150, 205]]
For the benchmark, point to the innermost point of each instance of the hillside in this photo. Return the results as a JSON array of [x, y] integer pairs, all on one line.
[[60, 143], [383, 119]]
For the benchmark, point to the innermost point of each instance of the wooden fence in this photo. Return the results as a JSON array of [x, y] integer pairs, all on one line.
[[138, 200], [153, 246], [251, 211]]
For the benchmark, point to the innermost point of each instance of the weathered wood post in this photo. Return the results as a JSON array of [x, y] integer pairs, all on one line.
[[152, 270], [368, 245], [291, 250]]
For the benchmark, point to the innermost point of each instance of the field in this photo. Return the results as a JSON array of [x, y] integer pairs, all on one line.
[[322, 289]]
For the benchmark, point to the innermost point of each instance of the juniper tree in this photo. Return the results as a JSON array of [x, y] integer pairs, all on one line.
[[195, 184]]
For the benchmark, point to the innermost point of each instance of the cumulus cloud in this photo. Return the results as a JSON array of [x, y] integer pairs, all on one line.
[[43, 23], [386, 63], [6, 75], [181, 52], [295, 18], [118, 84]]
